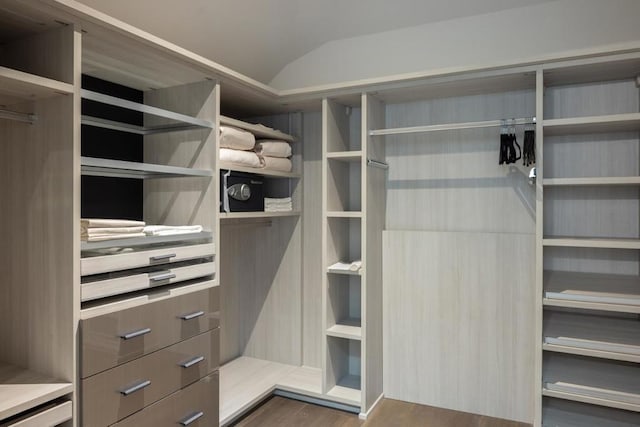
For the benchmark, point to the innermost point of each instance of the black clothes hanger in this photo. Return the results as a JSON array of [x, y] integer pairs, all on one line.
[[529, 147]]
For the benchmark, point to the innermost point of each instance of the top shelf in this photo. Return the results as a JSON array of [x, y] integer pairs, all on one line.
[[17, 86], [21, 390], [594, 124], [259, 131], [179, 121]]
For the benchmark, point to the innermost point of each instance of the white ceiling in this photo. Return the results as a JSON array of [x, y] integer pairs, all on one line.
[[259, 37]]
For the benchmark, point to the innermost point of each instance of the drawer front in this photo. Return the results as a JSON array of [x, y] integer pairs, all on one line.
[[136, 282], [115, 338], [107, 263], [119, 392], [183, 408], [49, 416]]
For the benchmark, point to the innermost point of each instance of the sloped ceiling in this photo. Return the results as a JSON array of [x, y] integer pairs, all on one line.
[[259, 37]]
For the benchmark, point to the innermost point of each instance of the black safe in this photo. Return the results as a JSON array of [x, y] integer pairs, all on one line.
[[241, 192]]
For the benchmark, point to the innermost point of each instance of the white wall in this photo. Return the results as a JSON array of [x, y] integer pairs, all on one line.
[[513, 35]]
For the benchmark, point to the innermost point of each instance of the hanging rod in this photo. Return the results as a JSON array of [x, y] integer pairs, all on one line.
[[454, 126], [377, 164], [19, 117]]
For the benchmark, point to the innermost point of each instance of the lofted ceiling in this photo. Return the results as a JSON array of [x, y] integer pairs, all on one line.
[[259, 37]]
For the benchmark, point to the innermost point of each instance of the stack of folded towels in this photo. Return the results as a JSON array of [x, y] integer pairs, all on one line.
[[97, 230], [241, 148], [278, 205]]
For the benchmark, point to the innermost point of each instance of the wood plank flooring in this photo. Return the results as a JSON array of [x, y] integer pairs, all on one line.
[[282, 412]]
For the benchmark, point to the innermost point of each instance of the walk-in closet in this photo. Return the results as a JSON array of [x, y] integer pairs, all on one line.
[[184, 244]]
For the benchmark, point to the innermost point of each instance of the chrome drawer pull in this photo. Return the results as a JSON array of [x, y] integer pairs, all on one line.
[[135, 334], [191, 418], [192, 315], [162, 257], [189, 363], [134, 388], [164, 276]]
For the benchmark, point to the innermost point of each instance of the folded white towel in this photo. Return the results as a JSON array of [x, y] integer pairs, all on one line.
[[109, 223], [271, 200], [241, 158], [277, 164], [111, 230], [278, 208], [170, 230], [273, 148], [237, 139], [103, 237]]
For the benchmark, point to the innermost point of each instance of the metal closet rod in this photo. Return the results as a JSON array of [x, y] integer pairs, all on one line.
[[455, 126], [19, 117]]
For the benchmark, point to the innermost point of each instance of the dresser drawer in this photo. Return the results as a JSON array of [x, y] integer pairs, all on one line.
[[194, 406], [125, 261], [161, 276], [48, 416], [119, 392], [115, 338]]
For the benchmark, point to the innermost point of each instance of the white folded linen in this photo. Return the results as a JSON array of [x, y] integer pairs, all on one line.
[[277, 164], [281, 200], [111, 230], [241, 158], [103, 237], [170, 230], [109, 223], [278, 208], [271, 148], [237, 139]]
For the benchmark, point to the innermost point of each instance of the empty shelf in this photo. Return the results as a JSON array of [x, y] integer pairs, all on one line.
[[260, 131], [594, 124], [564, 413], [21, 390], [121, 169], [262, 172], [148, 240], [344, 268], [180, 121], [592, 381], [595, 336], [344, 214], [348, 328], [140, 130], [347, 390], [592, 242], [607, 292], [248, 215], [17, 86], [345, 156], [621, 180]]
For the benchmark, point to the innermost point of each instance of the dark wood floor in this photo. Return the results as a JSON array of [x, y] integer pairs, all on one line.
[[281, 412]]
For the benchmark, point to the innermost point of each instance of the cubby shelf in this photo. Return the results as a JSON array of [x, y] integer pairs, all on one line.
[[247, 215], [592, 242], [593, 124], [344, 214], [260, 131], [591, 181], [347, 390], [21, 390], [345, 156], [93, 166], [262, 172], [348, 328]]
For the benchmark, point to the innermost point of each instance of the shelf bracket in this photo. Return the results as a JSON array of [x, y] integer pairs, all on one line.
[[19, 117]]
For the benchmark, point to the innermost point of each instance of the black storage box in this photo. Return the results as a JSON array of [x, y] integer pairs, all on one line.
[[241, 192]]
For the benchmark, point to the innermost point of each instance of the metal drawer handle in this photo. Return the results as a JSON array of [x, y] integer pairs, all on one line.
[[162, 257], [135, 334], [136, 387], [193, 361], [191, 418], [192, 315], [164, 276]]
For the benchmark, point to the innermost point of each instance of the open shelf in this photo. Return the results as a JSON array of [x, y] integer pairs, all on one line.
[[593, 124], [259, 131], [347, 390], [347, 328], [178, 121], [21, 390], [246, 215], [342, 268], [594, 336], [17, 86], [591, 242], [605, 292], [92, 166], [262, 172], [148, 240], [564, 413], [592, 181], [588, 380], [345, 156], [344, 214]]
